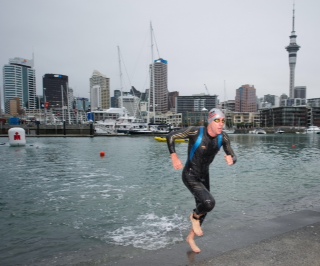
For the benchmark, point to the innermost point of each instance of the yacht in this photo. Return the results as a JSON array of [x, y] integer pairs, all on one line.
[[151, 129], [313, 130], [115, 121], [258, 131], [280, 131]]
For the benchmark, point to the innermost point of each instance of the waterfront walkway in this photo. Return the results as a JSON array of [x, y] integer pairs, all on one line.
[[290, 240]]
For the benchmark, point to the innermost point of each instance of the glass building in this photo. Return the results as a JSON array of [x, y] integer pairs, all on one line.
[[159, 86], [19, 85]]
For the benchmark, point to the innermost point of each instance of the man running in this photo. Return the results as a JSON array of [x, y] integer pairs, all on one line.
[[204, 144]]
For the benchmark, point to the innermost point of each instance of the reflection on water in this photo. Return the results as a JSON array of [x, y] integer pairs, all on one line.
[[59, 198]]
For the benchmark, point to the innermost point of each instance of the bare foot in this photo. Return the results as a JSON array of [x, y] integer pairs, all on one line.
[[192, 243], [196, 226]]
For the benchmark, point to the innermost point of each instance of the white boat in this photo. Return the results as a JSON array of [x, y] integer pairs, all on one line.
[[126, 123], [105, 127], [280, 131], [115, 121], [229, 131], [313, 130], [151, 129], [258, 131]]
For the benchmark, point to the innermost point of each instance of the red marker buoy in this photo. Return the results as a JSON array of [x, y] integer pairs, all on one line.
[[102, 154], [294, 146]]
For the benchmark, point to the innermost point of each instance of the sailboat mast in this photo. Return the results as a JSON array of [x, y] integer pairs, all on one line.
[[62, 103], [68, 105], [120, 71], [152, 76]]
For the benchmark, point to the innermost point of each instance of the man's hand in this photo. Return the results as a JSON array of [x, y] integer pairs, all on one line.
[[229, 159], [177, 164]]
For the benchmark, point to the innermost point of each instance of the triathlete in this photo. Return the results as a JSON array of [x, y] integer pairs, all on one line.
[[204, 144]]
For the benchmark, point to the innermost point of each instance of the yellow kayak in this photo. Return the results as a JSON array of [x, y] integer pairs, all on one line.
[[163, 139]]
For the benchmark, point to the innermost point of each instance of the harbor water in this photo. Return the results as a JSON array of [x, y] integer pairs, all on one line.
[[61, 203]]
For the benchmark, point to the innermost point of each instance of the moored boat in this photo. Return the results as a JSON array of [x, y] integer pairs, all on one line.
[[258, 131], [280, 131], [313, 129], [151, 129]]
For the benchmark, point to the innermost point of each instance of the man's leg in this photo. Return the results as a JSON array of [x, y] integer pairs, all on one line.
[[204, 200], [192, 243], [196, 224]]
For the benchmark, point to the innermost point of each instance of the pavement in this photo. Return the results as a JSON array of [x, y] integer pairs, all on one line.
[[292, 240]]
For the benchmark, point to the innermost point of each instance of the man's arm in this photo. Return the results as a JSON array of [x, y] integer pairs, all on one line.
[[176, 162], [230, 156], [179, 134]]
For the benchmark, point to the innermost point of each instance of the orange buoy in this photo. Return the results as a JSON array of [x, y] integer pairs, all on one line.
[[294, 146], [102, 154]]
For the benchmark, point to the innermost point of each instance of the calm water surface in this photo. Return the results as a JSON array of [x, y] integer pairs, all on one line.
[[61, 203]]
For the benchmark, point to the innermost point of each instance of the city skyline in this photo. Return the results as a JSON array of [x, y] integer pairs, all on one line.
[[221, 45]]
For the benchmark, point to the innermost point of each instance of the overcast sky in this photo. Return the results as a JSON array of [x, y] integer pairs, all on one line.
[[223, 44]]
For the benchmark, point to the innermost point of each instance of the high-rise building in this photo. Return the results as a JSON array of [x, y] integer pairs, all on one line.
[[292, 49], [100, 81], [131, 103], [159, 86], [246, 99], [196, 103], [172, 96], [114, 98], [300, 92], [272, 99], [95, 97], [19, 85], [194, 109], [55, 91]]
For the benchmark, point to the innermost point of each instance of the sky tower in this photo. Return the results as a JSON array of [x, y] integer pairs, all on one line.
[[292, 49]]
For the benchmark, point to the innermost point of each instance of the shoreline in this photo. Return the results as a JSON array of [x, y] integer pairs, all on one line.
[[292, 239]]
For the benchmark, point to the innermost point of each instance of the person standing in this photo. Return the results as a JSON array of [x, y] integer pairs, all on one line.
[[204, 144]]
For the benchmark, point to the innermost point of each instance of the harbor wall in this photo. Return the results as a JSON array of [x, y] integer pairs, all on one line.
[[45, 130]]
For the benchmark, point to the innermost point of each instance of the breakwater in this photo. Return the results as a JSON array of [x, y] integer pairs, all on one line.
[[52, 130]]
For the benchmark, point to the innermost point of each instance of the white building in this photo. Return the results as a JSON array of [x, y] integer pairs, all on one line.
[[131, 103], [95, 97], [19, 84]]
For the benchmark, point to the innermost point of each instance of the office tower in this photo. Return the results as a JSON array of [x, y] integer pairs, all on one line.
[[19, 86], [172, 96], [114, 99], [272, 99], [159, 86], [135, 92], [292, 49], [246, 99], [55, 91], [131, 103], [95, 97], [300, 92], [196, 103], [99, 90], [81, 104]]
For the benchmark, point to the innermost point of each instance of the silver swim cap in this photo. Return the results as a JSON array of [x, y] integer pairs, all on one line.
[[215, 114]]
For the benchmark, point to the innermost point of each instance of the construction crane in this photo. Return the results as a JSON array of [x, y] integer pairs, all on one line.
[[206, 89]]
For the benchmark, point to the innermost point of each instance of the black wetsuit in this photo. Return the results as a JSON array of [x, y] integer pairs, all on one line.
[[195, 174]]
